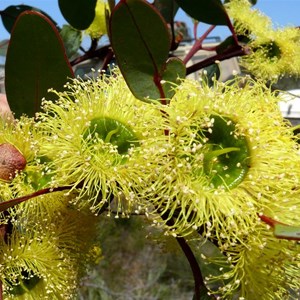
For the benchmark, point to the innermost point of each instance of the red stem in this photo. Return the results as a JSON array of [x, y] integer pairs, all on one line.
[[1, 290], [198, 279], [15, 201], [198, 44], [231, 28], [269, 220], [232, 52]]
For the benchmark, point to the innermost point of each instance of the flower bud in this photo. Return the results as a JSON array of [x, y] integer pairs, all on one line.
[[11, 161]]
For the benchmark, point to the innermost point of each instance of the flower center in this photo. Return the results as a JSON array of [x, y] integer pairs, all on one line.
[[24, 284], [272, 50], [114, 132], [226, 156]]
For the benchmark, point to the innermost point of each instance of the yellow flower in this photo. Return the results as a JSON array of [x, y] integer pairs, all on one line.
[[33, 264], [273, 50], [98, 26], [46, 248], [22, 135], [231, 155], [248, 20], [102, 140], [260, 267]]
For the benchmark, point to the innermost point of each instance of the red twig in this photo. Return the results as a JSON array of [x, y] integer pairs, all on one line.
[[10, 203], [198, 279], [1, 290], [269, 220], [232, 52], [198, 44]]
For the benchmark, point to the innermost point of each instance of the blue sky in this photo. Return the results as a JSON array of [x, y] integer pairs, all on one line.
[[282, 13]]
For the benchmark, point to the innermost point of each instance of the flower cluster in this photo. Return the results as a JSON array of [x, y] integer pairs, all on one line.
[[46, 244], [211, 162], [103, 141], [272, 49]]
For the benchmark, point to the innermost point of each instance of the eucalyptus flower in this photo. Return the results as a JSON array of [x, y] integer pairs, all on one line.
[[33, 264], [273, 50], [19, 151], [45, 253], [102, 141], [98, 26], [261, 267], [231, 156], [260, 264]]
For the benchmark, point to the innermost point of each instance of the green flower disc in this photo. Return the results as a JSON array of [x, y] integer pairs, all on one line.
[[40, 176], [114, 132], [24, 284], [227, 155], [272, 50]]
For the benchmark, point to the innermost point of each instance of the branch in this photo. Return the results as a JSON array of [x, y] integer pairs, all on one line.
[[198, 44], [198, 280], [232, 52], [101, 52], [1, 290], [10, 203]]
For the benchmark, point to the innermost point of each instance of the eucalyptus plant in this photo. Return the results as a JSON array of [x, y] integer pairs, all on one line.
[[212, 164]]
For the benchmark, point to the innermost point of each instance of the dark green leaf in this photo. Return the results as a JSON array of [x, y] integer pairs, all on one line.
[[71, 38], [211, 73], [225, 45], [175, 69], [35, 62], [167, 8], [142, 50], [3, 47], [204, 294], [207, 11], [79, 13], [211, 262], [287, 232], [10, 14]]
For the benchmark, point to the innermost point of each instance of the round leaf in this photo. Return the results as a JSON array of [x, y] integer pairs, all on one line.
[[71, 38], [10, 14], [207, 11], [79, 13], [141, 43], [35, 62]]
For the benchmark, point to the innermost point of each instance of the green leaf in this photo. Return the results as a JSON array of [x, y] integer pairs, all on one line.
[[79, 13], [3, 47], [175, 69], [207, 11], [35, 62], [287, 232], [72, 39], [211, 73], [167, 8], [212, 262], [225, 45], [10, 14], [142, 50]]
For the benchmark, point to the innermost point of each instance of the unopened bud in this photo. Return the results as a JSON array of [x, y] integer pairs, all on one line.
[[11, 161]]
